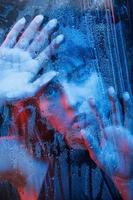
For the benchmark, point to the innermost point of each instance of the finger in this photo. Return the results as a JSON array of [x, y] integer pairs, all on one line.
[[113, 134], [41, 39], [98, 117], [41, 82], [30, 32], [127, 103], [128, 109], [109, 159], [13, 34], [50, 50], [115, 108], [31, 89], [91, 145], [96, 152]]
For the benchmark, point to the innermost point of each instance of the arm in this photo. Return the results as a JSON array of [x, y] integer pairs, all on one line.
[[20, 63], [112, 151], [19, 168]]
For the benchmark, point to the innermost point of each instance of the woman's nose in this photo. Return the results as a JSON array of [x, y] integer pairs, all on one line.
[[76, 106], [73, 101], [73, 95]]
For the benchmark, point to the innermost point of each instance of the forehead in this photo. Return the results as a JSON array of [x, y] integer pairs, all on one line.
[[75, 57]]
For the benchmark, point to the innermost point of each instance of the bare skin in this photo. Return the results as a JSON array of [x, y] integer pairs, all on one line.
[[20, 61], [113, 150]]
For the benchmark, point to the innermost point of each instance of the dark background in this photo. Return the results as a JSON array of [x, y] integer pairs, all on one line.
[[73, 14]]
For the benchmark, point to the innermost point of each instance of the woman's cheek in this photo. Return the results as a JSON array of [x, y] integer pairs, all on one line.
[[58, 119], [55, 115]]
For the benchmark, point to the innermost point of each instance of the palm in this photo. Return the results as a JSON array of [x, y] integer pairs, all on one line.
[[20, 61], [113, 152], [18, 71], [116, 154]]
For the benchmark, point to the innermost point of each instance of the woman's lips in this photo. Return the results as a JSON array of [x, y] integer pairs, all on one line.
[[81, 121], [80, 125], [81, 116]]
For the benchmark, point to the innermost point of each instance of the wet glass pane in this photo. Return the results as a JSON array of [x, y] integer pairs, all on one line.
[[66, 122]]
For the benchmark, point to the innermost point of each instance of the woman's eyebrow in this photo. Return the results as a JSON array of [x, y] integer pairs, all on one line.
[[55, 83]]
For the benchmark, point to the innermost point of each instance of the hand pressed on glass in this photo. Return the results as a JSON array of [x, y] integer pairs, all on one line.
[[21, 59], [113, 151]]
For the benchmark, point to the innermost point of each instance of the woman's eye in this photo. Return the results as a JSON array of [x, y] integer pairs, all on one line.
[[52, 90]]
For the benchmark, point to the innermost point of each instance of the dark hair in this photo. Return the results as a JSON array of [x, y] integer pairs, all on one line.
[[8, 191]]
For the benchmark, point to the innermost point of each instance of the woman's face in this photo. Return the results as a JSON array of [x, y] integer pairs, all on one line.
[[65, 104], [65, 100]]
